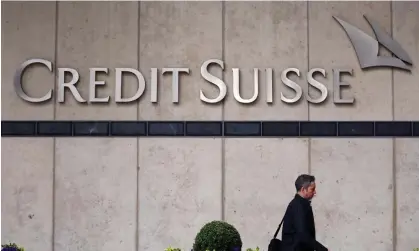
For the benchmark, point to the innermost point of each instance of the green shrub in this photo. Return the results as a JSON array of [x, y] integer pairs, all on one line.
[[218, 236], [11, 247]]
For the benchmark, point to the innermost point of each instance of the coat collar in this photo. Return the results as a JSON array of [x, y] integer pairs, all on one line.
[[303, 200]]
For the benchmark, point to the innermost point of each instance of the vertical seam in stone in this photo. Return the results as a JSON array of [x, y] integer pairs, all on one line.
[[54, 118], [308, 67], [394, 219], [137, 204], [223, 114]]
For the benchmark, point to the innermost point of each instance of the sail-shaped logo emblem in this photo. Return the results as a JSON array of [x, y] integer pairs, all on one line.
[[366, 47]]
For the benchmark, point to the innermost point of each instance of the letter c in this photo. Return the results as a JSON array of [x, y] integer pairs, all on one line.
[[18, 80]]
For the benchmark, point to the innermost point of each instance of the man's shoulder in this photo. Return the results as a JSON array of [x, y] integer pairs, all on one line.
[[293, 201], [292, 204], [296, 204]]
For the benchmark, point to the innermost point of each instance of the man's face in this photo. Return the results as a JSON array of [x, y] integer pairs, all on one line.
[[310, 191]]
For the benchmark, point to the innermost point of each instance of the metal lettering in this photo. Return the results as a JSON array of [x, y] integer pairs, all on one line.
[[337, 84], [154, 90], [213, 80], [269, 86], [93, 83], [70, 85], [292, 85], [118, 85], [18, 80], [175, 81], [236, 86], [319, 86]]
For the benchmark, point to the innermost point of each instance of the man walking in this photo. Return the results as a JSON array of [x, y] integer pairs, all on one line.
[[299, 232]]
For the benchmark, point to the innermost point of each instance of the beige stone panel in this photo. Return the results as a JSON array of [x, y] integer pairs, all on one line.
[[180, 35], [405, 31], [330, 48], [406, 84], [180, 190], [259, 184], [95, 194], [265, 35], [28, 32], [26, 192], [353, 207], [407, 177], [102, 35], [354, 204]]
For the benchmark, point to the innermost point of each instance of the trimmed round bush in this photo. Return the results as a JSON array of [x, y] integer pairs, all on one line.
[[218, 236]]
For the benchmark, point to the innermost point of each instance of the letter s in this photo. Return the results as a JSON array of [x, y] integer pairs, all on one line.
[[214, 80]]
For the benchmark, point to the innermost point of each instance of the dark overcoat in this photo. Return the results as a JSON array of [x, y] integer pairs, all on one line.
[[299, 231]]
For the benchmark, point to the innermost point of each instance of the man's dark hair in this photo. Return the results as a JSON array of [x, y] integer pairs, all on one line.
[[304, 180]]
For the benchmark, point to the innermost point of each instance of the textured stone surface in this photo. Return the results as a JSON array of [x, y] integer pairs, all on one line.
[[331, 48], [96, 189], [263, 35], [260, 175], [177, 35], [406, 87], [180, 190], [98, 34], [407, 177], [95, 194], [406, 90], [180, 179], [274, 37], [28, 31], [353, 209], [26, 192]]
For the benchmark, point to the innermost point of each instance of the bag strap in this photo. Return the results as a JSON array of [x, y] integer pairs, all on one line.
[[279, 227]]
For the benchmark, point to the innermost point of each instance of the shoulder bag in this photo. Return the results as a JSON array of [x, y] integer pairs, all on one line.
[[275, 244]]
